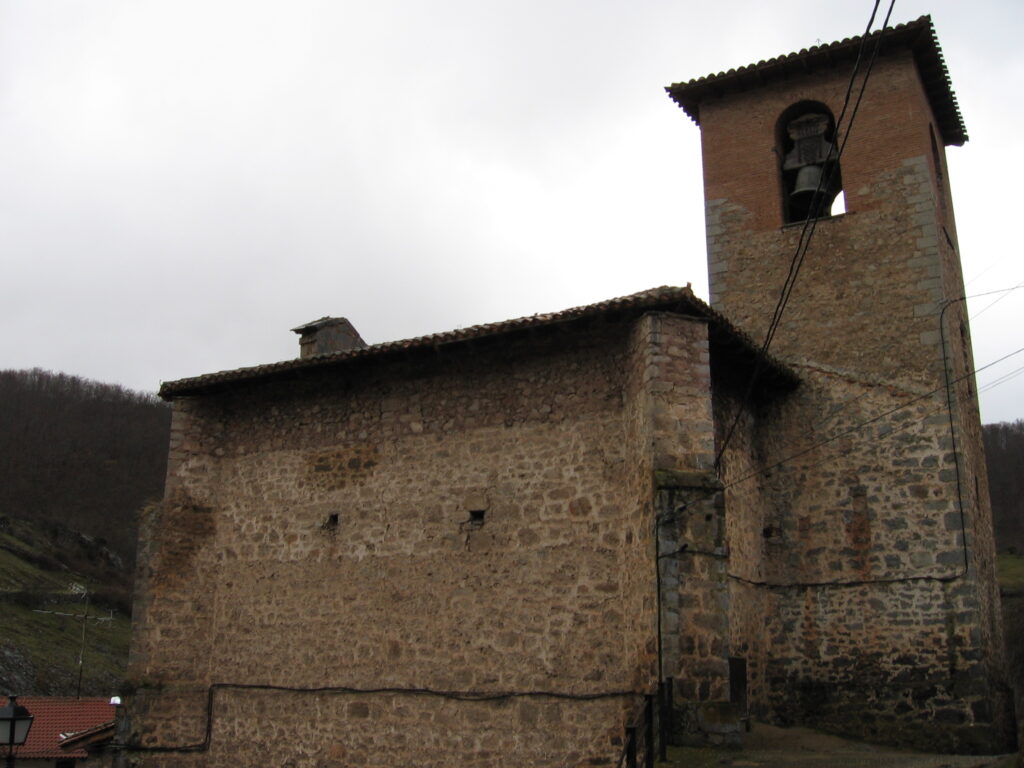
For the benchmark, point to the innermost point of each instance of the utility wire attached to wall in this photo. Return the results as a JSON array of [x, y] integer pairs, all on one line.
[[942, 578], [684, 550], [867, 422], [482, 696], [989, 385]]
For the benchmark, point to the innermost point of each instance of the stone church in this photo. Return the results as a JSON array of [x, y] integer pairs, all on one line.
[[483, 547]]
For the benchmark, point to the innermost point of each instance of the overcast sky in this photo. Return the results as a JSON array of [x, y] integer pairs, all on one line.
[[182, 182]]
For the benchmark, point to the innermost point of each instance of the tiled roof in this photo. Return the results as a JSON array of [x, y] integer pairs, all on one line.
[[917, 36], [77, 740], [55, 716], [665, 298]]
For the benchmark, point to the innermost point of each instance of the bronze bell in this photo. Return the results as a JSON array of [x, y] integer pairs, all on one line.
[[808, 180]]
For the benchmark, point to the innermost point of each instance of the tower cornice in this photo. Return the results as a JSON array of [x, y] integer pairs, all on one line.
[[916, 36]]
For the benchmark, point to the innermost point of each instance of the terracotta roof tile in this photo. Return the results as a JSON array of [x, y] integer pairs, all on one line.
[[72, 741], [55, 716], [917, 36], [664, 298]]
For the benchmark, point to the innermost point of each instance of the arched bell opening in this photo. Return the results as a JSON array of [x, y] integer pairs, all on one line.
[[809, 162]]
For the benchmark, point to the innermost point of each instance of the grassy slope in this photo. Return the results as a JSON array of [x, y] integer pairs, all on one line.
[[39, 650]]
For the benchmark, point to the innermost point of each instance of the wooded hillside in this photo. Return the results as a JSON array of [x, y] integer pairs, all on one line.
[[1004, 450], [81, 454]]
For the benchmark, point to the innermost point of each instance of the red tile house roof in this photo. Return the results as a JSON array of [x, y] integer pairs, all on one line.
[[59, 718]]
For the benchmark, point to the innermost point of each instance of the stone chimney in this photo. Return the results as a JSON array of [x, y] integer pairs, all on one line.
[[327, 335]]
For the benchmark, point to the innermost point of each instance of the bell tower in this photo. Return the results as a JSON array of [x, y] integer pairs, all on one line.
[[860, 572], [781, 145]]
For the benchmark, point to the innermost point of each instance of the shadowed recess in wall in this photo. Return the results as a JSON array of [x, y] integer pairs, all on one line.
[[183, 529]]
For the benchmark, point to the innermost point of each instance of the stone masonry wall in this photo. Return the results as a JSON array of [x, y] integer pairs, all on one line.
[[676, 398], [476, 520], [881, 616], [874, 621], [849, 599], [749, 518]]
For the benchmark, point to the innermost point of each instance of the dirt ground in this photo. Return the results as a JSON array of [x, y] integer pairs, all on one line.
[[770, 747]]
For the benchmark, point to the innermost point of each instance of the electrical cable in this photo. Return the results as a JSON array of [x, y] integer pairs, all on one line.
[[986, 387], [993, 293], [928, 414], [948, 406], [1001, 380], [810, 224], [1005, 292], [995, 263], [860, 582], [836, 411], [867, 422]]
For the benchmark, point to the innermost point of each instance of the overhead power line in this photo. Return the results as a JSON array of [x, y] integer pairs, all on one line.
[[1005, 291], [868, 422], [810, 224]]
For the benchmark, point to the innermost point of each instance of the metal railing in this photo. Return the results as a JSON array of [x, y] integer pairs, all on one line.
[[650, 731]]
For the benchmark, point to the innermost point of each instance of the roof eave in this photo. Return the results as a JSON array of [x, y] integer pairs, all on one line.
[[916, 36], [664, 298]]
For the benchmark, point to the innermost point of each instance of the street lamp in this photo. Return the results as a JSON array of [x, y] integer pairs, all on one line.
[[15, 720]]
